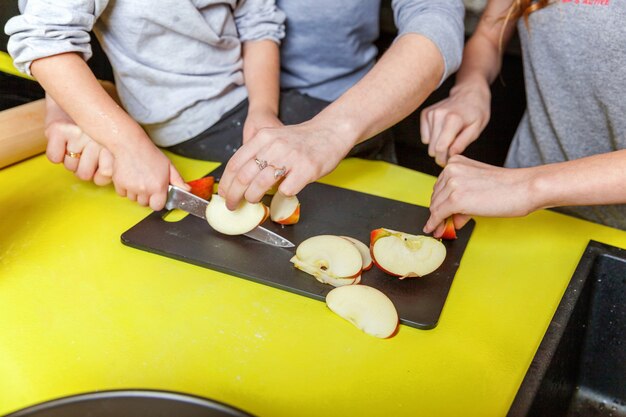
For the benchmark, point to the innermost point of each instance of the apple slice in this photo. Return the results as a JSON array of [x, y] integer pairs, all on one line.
[[202, 187], [449, 232], [330, 259], [367, 308], [405, 255], [363, 250], [244, 218], [285, 210]]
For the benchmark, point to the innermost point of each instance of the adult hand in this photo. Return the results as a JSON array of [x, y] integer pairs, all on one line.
[[79, 153], [449, 126], [470, 188], [257, 120], [306, 152]]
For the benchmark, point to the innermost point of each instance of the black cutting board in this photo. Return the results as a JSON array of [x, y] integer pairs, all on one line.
[[325, 209]]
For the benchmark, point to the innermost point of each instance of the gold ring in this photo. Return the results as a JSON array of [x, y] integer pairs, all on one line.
[[72, 154], [279, 172], [262, 164]]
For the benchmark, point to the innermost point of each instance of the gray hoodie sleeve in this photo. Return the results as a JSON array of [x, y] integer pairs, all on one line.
[[259, 20], [51, 27], [441, 21]]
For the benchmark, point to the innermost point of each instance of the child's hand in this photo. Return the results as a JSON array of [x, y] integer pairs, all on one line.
[[142, 173], [257, 120]]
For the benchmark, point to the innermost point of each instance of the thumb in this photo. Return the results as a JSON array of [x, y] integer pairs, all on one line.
[[177, 180]]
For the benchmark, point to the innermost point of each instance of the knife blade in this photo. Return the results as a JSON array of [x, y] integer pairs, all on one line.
[[192, 204]]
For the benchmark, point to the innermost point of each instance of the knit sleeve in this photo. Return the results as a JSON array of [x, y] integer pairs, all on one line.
[[259, 20], [51, 27]]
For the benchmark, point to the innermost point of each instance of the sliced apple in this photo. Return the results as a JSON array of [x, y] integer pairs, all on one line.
[[367, 308], [330, 259], [405, 255], [244, 218], [449, 232], [284, 209], [363, 250]]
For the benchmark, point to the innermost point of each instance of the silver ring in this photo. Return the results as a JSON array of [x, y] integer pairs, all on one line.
[[280, 172], [261, 163]]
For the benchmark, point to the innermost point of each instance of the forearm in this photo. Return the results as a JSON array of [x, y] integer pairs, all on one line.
[[261, 73], [405, 75], [71, 84], [482, 56], [594, 180], [54, 112]]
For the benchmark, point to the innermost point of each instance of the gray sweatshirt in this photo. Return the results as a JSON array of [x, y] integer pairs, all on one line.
[[330, 43], [177, 63], [575, 72]]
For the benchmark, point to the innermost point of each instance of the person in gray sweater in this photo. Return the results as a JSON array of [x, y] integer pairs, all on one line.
[[178, 71], [329, 49], [569, 151]]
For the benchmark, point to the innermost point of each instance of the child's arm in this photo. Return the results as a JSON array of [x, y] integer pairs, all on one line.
[[261, 27], [261, 70], [141, 171]]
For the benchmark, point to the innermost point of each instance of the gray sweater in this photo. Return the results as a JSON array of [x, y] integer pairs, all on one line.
[[575, 73], [177, 63], [330, 43]]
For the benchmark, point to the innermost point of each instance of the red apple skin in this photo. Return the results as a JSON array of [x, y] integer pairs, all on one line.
[[377, 234], [293, 219], [267, 214], [449, 232], [395, 332], [374, 236], [202, 187]]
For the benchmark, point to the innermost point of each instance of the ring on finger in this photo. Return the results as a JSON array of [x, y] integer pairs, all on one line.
[[71, 154], [280, 172], [261, 163]]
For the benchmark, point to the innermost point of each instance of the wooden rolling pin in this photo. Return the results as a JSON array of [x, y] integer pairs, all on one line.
[[22, 132], [22, 129]]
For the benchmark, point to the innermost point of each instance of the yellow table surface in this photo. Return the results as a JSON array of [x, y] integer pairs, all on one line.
[[80, 312]]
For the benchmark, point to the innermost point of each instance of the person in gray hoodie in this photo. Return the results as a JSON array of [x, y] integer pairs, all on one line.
[[569, 151], [179, 73]]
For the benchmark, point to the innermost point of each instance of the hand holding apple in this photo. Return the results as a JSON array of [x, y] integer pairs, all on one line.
[[471, 188]]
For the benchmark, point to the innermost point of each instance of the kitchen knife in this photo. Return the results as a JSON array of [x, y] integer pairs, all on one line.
[[192, 204]]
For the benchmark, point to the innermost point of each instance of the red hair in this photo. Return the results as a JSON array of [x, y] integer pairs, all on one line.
[[523, 8]]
